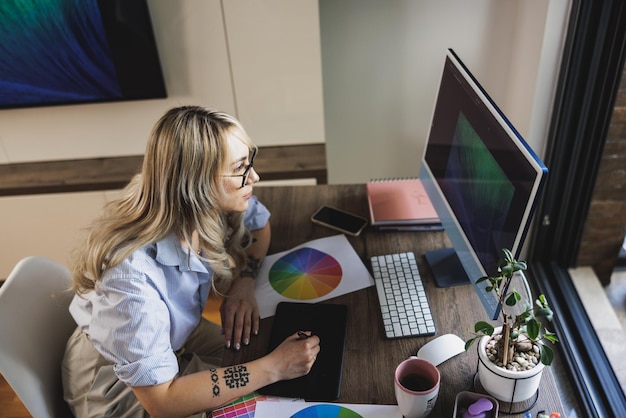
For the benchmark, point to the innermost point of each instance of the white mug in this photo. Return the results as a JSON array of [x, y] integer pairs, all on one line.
[[417, 386]]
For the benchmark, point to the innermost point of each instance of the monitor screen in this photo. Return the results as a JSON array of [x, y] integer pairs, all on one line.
[[57, 52], [482, 178]]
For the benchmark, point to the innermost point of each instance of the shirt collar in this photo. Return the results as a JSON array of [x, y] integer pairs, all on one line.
[[169, 252]]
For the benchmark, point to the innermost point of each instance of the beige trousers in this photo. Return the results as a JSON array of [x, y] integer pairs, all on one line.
[[92, 389]]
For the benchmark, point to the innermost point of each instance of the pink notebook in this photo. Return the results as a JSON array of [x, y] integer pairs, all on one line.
[[399, 202]]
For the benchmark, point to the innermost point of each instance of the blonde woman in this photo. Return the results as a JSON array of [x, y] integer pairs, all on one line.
[[187, 223]]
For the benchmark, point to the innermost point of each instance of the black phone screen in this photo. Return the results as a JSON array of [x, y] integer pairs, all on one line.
[[339, 220]]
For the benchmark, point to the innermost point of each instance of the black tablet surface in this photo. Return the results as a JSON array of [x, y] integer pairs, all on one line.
[[328, 321]]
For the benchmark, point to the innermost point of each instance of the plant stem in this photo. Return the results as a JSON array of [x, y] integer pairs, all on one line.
[[506, 333], [506, 329]]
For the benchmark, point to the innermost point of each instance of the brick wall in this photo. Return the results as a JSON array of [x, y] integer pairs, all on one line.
[[605, 226]]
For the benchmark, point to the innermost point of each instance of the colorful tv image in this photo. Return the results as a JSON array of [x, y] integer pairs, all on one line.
[[57, 52]]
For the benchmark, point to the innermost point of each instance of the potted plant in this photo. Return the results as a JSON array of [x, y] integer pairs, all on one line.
[[513, 355]]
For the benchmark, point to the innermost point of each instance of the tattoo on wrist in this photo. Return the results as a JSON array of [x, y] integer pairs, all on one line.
[[251, 268], [236, 376], [215, 379]]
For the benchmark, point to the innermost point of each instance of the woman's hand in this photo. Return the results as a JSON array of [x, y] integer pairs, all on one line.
[[295, 356], [240, 313]]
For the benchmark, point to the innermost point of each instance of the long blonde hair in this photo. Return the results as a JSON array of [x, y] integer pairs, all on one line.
[[178, 190]]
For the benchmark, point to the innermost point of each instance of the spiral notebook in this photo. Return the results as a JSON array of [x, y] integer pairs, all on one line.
[[400, 202], [328, 322]]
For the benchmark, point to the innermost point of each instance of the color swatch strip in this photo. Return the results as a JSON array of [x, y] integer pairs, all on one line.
[[243, 407]]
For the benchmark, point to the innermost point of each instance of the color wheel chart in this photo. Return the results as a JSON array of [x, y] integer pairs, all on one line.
[[312, 272], [305, 274], [326, 411]]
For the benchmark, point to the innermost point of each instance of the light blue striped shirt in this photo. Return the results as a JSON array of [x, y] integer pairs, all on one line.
[[144, 309]]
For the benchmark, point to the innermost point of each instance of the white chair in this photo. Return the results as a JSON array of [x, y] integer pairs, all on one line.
[[34, 327]]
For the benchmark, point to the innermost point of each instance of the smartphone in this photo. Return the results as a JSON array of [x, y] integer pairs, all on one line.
[[340, 220]]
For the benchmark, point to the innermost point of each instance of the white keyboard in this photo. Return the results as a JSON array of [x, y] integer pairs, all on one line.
[[403, 304]]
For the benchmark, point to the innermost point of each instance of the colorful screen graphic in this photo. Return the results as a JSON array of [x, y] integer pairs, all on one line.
[[326, 411], [479, 192], [305, 274], [76, 51]]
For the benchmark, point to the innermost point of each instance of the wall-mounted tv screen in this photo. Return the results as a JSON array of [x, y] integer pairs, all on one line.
[[58, 52]]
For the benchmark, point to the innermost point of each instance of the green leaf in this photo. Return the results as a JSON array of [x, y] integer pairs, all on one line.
[[482, 279], [523, 317], [547, 355], [545, 313], [520, 265], [542, 303], [469, 343], [484, 327], [507, 270], [550, 336], [508, 256], [512, 299], [532, 328]]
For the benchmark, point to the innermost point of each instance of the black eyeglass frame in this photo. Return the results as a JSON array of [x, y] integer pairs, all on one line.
[[246, 172]]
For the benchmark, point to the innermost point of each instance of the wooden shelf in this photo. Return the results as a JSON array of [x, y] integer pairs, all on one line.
[[272, 163]]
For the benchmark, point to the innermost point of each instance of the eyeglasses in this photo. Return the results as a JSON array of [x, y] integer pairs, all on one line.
[[246, 172]]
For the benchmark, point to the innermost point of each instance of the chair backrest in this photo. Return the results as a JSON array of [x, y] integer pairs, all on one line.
[[35, 325]]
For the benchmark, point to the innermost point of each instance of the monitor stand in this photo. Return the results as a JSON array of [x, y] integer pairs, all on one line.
[[446, 268]]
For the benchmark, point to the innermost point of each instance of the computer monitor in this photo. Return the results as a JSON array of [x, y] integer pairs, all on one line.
[[482, 178]]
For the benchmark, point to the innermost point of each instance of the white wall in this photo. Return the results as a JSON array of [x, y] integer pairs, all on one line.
[[48, 225], [259, 60], [382, 62]]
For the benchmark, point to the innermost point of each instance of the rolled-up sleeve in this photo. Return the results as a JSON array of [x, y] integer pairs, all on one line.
[[139, 345], [257, 215]]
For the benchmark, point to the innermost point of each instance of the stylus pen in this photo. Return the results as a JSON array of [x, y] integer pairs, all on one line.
[[303, 335]]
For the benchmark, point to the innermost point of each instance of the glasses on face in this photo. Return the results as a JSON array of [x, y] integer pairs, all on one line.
[[246, 172]]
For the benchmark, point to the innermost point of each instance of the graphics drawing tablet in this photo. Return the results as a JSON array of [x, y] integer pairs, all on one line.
[[328, 322]]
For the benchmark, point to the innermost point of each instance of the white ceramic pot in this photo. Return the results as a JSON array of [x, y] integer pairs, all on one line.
[[503, 384]]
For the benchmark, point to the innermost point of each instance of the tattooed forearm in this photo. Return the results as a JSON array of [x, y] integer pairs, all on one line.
[[236, 376], [215, 379], [251, 268]]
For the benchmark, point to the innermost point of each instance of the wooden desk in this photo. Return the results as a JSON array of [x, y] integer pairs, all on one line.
[[370, 358]]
